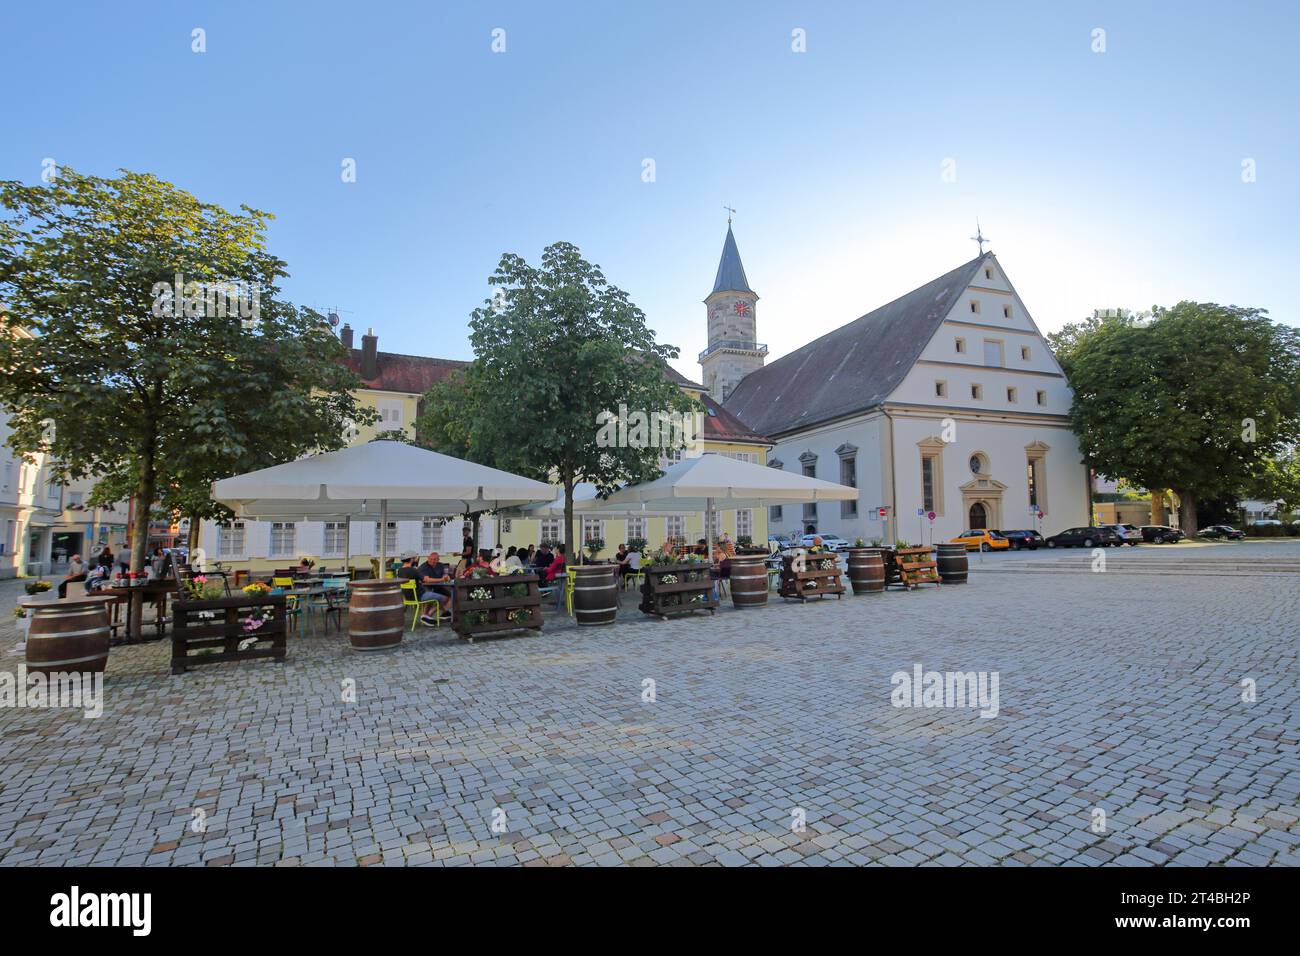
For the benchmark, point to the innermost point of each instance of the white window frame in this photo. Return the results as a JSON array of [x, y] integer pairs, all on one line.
[[227, 537], [675, 527], [550, 529], [390, 539], [744, 522], [637, 528], [276, 548], [592, 528], [334, 539]]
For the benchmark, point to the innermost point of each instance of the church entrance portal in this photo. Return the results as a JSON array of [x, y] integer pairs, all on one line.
[[979, 517]]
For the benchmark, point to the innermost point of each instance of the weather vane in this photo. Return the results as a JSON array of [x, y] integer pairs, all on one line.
[[979, 236], [730, 212]]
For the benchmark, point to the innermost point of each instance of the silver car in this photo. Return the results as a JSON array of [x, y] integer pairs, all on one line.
[[1131, 534]]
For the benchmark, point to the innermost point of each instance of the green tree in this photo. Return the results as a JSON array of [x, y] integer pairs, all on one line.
[[1278, 481], [557, 350], [1195, 400], [153, 390]]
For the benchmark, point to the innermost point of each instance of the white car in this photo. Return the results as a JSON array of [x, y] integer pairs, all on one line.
[[1131, 534], [1266, 523], [832, 542]]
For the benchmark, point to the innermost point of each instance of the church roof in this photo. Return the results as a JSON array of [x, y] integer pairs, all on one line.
[[853, 368], [731, 274]]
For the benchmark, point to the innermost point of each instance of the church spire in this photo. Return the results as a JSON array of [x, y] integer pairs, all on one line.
[[731, 274]]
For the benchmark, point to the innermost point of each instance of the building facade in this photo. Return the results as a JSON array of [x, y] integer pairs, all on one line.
[[945, 402]]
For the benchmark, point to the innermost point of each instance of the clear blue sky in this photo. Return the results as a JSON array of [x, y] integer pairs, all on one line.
[[1104, 179]]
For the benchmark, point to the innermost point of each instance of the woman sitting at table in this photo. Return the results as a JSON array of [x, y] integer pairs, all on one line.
[[304, 566], [512, 561], [556, 566], [701, 548]]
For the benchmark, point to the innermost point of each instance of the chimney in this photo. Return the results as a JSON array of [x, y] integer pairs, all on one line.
[[369, 355], [345, 335]]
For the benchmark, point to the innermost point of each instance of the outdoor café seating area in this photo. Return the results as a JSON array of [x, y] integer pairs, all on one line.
[[215, 615]]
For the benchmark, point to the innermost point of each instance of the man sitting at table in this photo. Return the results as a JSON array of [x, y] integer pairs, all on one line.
[[428, 576], [76, 572]]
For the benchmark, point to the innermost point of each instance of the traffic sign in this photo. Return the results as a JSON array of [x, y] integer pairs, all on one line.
[[932, 516], [882, 511], [920, 512]]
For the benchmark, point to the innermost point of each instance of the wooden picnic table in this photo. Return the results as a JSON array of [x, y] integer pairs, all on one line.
[[133, 598]]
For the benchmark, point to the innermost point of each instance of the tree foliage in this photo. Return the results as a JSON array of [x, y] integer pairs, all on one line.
[[154, 404], [1197, 400], [554, 347]]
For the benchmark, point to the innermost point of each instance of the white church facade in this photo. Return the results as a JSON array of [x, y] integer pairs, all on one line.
[[946, 401]]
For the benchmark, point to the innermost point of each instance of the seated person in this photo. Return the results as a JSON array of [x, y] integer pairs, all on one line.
[[76, 572], [304, 566], [512, 560], [482, 563], [429, 576], [701, 548], [620, 556], [557, 565], [96, 578], [406, 571]]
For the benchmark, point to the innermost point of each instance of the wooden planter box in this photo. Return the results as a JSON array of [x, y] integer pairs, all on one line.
[[916, 566], [496, 611], [662, 598], [225, 630], [814, 581]]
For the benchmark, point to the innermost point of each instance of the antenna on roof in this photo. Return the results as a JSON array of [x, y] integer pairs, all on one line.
[[979, 236]]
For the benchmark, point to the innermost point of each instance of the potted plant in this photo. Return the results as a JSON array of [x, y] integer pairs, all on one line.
[[37, 587], [637, 544], [593, 547]]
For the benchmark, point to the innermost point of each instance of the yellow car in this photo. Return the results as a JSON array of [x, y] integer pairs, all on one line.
[[982, 540]]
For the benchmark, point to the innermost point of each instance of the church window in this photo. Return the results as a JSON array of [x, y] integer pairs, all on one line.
[[1024, 352], [1006, 312], [988, 272], [975, 306], [931, 489], [1042, 397], [941, 389], [1035, 475], [927, 483], [849, 477], [1011, 395], [977, 392], [809, 461], [993, 353], [961, 346], [979, 464]]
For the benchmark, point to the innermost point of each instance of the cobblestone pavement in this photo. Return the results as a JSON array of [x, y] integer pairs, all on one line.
[[1120, 693]]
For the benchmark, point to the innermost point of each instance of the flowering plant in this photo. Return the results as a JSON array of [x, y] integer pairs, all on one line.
[[198, 588], [520, 615], [257, 618], [257, 589], [668, 579], [37, 587], [481, 594]]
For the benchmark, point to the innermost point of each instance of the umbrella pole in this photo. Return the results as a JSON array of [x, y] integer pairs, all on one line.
[[347, 545], [383, 537]]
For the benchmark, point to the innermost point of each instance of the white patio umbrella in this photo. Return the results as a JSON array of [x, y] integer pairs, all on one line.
[[390, 478], [701, 484]]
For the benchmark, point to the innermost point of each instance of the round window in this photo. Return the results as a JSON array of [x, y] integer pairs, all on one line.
[[976, 464]]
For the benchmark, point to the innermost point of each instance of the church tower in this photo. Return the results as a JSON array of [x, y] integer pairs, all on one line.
[[734, 350]]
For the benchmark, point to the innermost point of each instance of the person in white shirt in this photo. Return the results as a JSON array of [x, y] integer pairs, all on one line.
[[512, 561], [76, 572]]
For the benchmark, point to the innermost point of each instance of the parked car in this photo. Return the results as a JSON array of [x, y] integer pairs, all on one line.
[[1091, 537], [831, 542], [1129, 534], [1266, 523], [982, 539], [1221, 531], [1162, 534], [1021, 540]]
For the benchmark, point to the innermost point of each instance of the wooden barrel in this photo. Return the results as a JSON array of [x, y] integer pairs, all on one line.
[[68, 636], [952, 563], [376, 615], [749, 580], [595, 593], [866, 570]]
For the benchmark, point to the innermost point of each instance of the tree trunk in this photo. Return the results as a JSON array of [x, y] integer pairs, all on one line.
[[1186, 511], [192, 542], [568, 518]]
